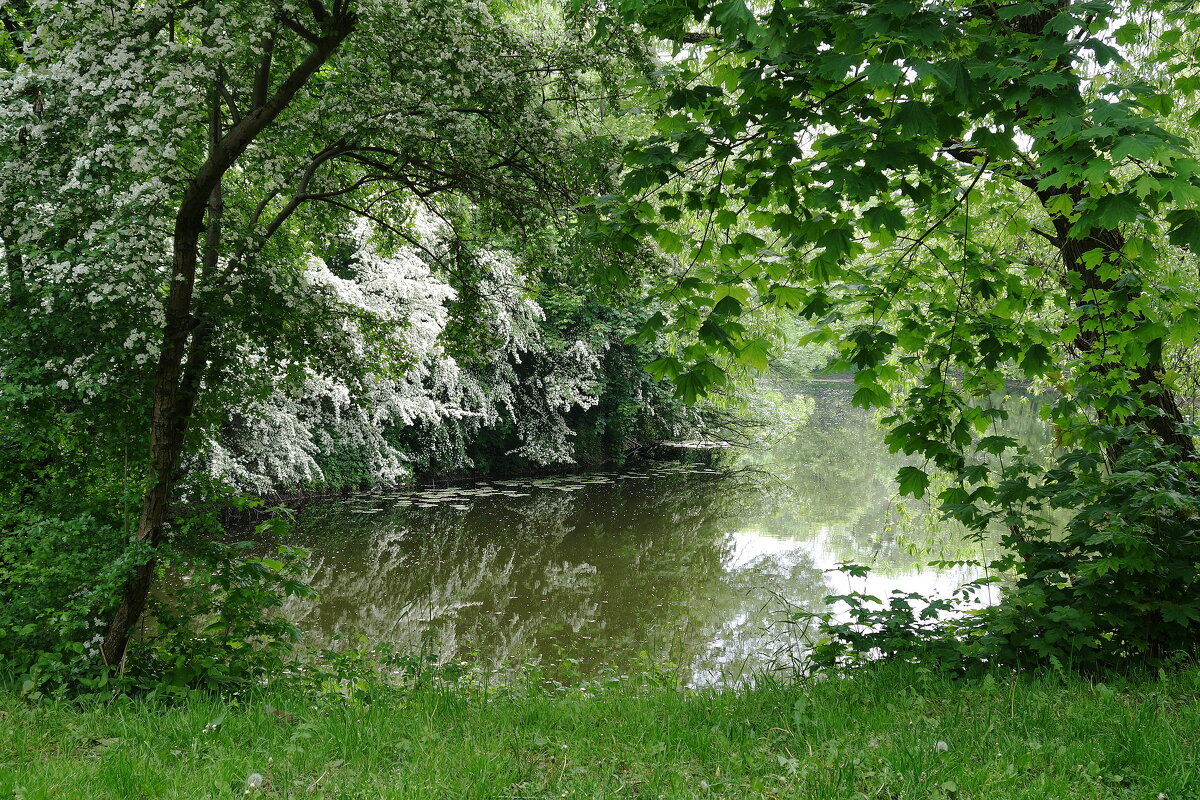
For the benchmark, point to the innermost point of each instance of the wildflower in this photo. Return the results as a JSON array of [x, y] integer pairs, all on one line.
[[941, 747], [255, 781]]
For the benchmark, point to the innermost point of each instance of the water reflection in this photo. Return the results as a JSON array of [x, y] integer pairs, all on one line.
[[679, 562]]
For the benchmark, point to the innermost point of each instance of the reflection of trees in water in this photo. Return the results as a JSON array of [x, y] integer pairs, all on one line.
[[747, 630], [694, 567], [836, 480], [596, 575]]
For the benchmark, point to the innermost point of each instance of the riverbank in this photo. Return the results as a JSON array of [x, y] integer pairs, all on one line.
[[885, 733]]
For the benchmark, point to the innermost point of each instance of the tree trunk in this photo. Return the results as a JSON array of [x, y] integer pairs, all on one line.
[[175, 393], [1162, 417], [184, 354]]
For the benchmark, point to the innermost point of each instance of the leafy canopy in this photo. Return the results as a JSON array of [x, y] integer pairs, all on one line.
[[959, 193]]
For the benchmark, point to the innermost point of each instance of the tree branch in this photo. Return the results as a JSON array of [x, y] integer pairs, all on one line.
[[298, 29], [230, 102], [262, 78]]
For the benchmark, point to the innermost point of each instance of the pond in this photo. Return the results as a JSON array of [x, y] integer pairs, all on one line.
[[673, 562]]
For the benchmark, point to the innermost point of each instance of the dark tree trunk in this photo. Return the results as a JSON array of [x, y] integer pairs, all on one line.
[[1161, 416], [172, 410], [185, 344]]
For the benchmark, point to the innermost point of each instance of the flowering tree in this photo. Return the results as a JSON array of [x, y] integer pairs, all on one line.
[[169, 170], [484, 361]]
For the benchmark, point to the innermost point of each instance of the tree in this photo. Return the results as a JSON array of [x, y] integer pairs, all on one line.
[[170, 168], [966, 191]]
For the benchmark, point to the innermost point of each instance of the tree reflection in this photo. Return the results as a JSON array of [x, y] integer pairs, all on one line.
[[681, 563]]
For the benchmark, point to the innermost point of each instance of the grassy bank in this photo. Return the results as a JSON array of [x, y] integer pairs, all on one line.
[[883, 734]]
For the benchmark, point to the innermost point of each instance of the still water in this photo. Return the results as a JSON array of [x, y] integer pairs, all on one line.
[[675, 562]]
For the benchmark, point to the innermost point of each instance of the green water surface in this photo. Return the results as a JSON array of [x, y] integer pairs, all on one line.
[[693, 564]]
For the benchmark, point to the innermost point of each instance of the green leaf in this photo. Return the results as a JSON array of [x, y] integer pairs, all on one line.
[[1139, 146], [650, 329], [913, 481], [728, 306], [1185, 229], [871, 395], [996, 445], [668, 240], [915, 119], [755, 353], [1037, 360], [833, 65], [1103, 52], [665, 368], [1015, 10], [1115, 210], [788, 297], [733, 17], [692, 145], [882, 73], [736, 291], [1048, 80], [837, 241], [690, 387], [1128, 33], [694, 384], [884, 217], [1061, 205], [1179, 614]]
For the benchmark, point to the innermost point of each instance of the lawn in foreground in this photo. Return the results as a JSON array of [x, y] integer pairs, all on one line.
[[885, 733]]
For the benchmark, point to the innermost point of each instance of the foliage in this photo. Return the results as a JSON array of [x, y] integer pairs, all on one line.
[[934, 635], [49, 631], [280, 246], [504, 372], [220, 624], [330, 244], [216, 624], [955, 194]]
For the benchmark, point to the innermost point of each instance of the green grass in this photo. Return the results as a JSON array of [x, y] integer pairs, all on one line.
[[875, 736]]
